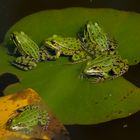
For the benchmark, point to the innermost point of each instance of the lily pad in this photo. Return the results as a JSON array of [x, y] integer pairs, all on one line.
[[76, 101]]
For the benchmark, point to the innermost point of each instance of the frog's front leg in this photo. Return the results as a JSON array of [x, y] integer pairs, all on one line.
[[24, 63], [27, 130], [44, 119], [53, 57], [45, 55]]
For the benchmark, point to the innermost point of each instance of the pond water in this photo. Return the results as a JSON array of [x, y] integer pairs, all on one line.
[[127, 128]]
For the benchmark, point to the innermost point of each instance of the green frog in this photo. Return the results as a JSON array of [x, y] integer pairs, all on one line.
[[105, 67], [68, 46], [29, 54], [29, 117], [96, 42], [93, 43]]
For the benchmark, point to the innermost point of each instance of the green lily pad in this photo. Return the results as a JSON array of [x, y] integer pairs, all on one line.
[[76, 101]]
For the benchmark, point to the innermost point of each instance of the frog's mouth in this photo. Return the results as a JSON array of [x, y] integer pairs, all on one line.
[[15, 128], [93, 78], [93, 72], [19, 128]]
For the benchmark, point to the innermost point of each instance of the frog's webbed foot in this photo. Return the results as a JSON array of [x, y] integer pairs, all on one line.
[[25, 63]]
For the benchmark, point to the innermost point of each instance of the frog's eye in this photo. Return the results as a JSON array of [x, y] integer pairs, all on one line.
[[53, 42], [13, 36], [9, 121]]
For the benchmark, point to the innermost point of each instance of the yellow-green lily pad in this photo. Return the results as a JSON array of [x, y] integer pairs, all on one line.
[[76, 101]]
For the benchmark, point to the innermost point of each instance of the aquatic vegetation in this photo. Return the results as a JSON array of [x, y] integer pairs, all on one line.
[[95, 46], [58, 84]]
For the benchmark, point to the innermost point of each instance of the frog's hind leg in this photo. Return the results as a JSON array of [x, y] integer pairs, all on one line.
[[44, 119], [80, 57], [112, 44], [24, 63], [119, 69]]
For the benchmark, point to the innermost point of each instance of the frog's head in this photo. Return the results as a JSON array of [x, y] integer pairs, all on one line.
[[91, 69], [53, 42], [93, 28], [14, 36], [16, 125]]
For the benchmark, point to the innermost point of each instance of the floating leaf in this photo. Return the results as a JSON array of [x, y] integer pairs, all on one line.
[[74, 100], [9, 105]]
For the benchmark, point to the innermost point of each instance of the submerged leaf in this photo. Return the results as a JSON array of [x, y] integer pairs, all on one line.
[[74, 100]]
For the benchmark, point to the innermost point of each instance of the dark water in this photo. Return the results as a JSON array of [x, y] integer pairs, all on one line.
[[7, 79], [13, 10], [121, 129]]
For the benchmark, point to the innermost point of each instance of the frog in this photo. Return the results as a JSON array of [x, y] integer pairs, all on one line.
[[28, 52], [67, 46], [96, 42], [105, 67], [29, 117]]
